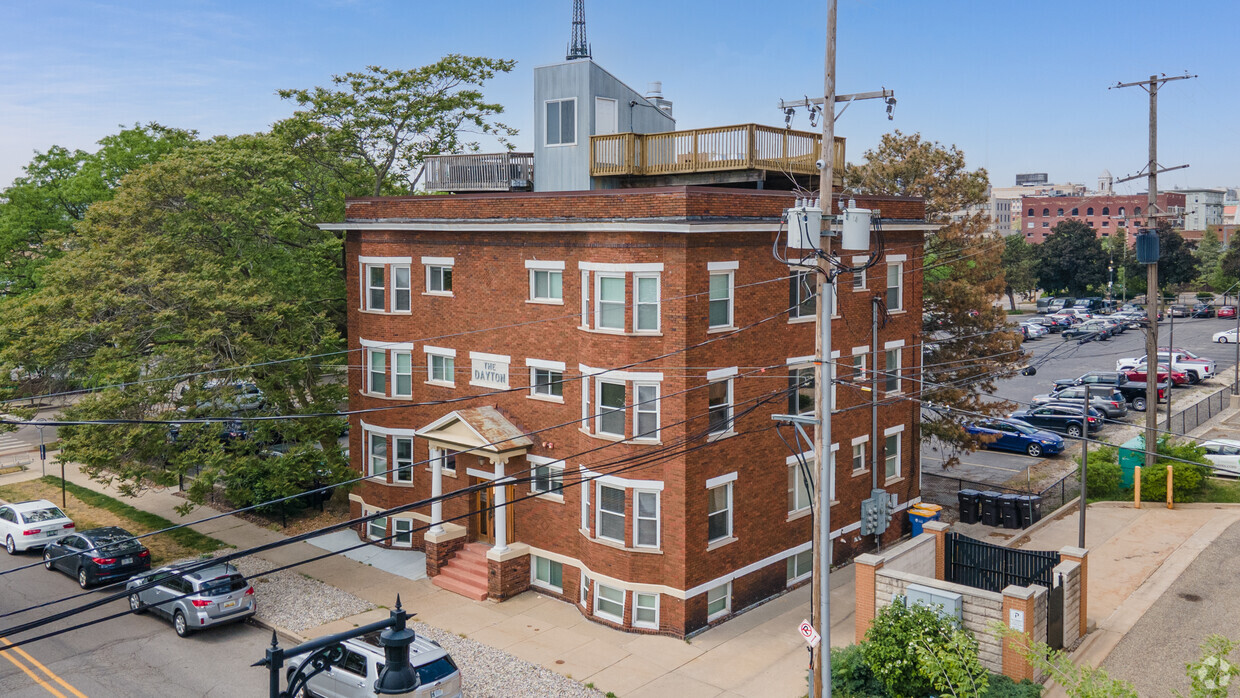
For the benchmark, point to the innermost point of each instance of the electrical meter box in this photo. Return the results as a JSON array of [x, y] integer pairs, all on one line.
[[947, 603]]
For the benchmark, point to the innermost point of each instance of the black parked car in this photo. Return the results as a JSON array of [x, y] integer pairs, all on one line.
[[1059, 418], [1203, 310], [1112, 378], [97, 555]]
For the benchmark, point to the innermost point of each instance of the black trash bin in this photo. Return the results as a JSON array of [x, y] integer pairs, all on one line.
[[969, 501], [991, 515], [1030, 509], [1009, 505]]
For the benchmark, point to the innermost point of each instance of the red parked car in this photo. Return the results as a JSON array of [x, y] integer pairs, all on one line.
[[1227, 311], [1139, 374]]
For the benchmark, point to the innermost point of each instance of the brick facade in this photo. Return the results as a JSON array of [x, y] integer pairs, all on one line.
[[1105, 213], [489, 239]]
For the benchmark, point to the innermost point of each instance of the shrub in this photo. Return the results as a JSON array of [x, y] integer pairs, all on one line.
[[914, 652], [1002, 686], [1187, 478], [851, 676], [1103, 474]]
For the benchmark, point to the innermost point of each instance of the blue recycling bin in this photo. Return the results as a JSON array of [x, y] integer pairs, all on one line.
[[919, 517]]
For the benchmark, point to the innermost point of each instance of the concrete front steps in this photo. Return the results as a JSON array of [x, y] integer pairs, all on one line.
[[466, 572]]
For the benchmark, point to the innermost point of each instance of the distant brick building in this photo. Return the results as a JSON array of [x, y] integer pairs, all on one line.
[[1105, 213], [644, 492]]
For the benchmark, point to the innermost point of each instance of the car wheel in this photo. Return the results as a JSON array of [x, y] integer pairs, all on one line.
[[83, 580], [10, 547], [47, 558], [135, 604], [1034, 450], [1138, 404], [180, 624], [1074, 430], [1222, 340]]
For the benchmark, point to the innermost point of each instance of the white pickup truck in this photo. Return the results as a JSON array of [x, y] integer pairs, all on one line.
[[1196, 368]]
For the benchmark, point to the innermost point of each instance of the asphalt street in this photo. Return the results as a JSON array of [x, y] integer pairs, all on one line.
[[134, 656], [1056, 358]]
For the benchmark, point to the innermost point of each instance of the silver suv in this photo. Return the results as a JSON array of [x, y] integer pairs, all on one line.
[[354, 674], [210, 596]]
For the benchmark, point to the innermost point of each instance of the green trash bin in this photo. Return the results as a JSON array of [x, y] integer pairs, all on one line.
[[1131, 455]]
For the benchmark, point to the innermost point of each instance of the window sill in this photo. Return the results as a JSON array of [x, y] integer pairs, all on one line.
[[716, 616], [859, 473], [801, 320], [544, 586], [798, 580], [445, 471], [370, 311], [720, 543], [619, 546], [900, 311], [719, 436], [441, 294], [544, 301], [400, 484], [442, 384], [720, 330], [548, 496], [559, 145], [893, 480], [799, 514], [622, 333], [547, 398]]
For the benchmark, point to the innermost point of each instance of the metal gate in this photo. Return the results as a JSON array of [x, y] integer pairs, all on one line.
[[992, 567], [1054, 617]]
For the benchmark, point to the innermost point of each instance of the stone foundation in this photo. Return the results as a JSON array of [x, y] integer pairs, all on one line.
[[440, 548], [508, 573]]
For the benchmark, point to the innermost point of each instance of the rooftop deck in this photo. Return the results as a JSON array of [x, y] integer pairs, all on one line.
[[480, 172], [720, 149]]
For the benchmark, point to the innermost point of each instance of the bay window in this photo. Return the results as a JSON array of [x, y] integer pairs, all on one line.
[[610, 523], [611, 404], [609, 309]]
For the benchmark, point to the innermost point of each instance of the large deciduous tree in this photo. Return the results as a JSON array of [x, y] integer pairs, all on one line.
[[389, 120], [1071, 259], [1177, 264], [1020, 268], [203, 268], [967, 344]]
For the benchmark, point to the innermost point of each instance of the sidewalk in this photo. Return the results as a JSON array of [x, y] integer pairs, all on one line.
[[759, 653]]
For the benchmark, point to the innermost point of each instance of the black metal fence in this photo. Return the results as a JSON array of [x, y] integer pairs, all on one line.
[[992, 567], [1199, 413], [943, 489]]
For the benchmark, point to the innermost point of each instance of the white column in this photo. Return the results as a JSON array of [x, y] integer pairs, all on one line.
[[436, 493], [501, 512]]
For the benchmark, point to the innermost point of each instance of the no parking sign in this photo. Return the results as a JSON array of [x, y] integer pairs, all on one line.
[[811, 636]]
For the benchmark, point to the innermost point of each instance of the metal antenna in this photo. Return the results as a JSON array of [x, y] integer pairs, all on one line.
[[578, 48]]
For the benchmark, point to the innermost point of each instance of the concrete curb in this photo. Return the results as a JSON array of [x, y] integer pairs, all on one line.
[[287, 635]]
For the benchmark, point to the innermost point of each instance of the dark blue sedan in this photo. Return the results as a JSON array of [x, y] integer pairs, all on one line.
[[1017, 436]]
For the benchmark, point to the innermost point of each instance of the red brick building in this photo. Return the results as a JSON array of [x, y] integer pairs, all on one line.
[[1105, 213], [652, 493]]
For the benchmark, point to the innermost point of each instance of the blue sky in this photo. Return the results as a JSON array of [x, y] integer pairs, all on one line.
[[1019, 87]]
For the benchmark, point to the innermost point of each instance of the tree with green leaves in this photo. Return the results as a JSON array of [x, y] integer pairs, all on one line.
[[203, 269], [1209, 256], [970, 345], [1071, 259], [1020, 268], [1177, 266], [388, 121]]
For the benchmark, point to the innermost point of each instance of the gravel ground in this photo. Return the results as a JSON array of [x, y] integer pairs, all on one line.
[[290, 600], [1205, 600]]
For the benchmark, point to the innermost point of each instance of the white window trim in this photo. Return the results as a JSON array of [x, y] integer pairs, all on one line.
[[546, 397], [730, 430], [794, 462], [542, 461], [538, 583], [370, 372], [598, 513], [858, 261], [657, 602], [731, 323], [439, 261], [367, 288], [899, 264], [544, 265], [727, 608], [585, 301], [409, 289], [396, 374], [658, 518], [371, 536], [427, 291], [615, 122], [370, 456], [575, 129], [658, 302], [547, 365], [395, 532], [898, 370], [640, 406], [439, 351], [624, 597], [437, 453], [801, 577], [899, 457], [394, 467], [608, 267], [545, 300], [598, 301], [430, 356], [598, 413], [731, 510], [722, 266]]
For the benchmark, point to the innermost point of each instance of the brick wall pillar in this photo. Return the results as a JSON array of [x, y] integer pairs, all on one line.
[[939, 530], [440, 547], [1020, 614], [508, 571], [1068, 575], [1081, 557], [866, 567]]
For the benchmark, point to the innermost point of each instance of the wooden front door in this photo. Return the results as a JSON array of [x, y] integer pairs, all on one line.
[[483, 518]]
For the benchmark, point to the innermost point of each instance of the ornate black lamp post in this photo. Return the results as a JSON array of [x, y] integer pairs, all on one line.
[[397, 676]]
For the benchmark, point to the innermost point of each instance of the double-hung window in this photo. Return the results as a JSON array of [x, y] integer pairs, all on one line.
[[858, 457], [376, 371], [891, 376], [719, 398], [646, 521], [374, 287], [609, 602], [402, 532], [859, 279], [799, 486], [802, 294], [646, 411], [378, 455], [892, 469], [403, 470], [611, 407], [401, 289], [719, 601], [376, 529], [646, 610], [440, 365], [402, 374], [548, 477], [721, 292], [645, 303], [546, 281], [439, 275], [719, 512], [895, 286], [609, 302], [548, 573], [800, 565], [801, 390], [561, 122], [546, 382], [445, 458], [610, 524]]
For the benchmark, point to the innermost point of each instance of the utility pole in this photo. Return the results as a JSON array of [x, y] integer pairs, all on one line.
[[1151, 295], [1170, 362], [1084, 461]]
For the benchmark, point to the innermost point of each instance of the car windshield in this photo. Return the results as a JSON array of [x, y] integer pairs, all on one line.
[[223, 585], [40, 515], [114, 541]]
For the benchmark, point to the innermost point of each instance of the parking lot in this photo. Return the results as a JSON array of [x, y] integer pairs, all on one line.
[[1056, 358]]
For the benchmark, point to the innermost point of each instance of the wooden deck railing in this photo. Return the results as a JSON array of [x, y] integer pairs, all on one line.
[[742, 147], [480, 172]]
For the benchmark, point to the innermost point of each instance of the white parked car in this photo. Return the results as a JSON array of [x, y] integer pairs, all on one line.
[[1226, 336], [1225, 454], [32, 524], [353, 675]]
